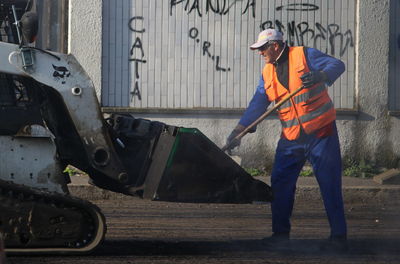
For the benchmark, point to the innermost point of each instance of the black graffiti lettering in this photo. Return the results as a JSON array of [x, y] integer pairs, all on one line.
[[305, 30], [187, 5], [138, 60], [269, 24], [228, 8], [137, 69], [266, 24], [299, 33], [218, 68], [279, 26], [137, 45], [196, 6], [333, 30], [216, 9], [221, 7], [334, 33], [193, 33], [252, 4], [292, 30], [131, 26], [136, 91], [298, 7], [322, 35], [206, 45], [173, 3], [349, 42]]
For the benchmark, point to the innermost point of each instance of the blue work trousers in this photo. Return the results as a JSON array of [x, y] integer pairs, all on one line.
[[324, 156]]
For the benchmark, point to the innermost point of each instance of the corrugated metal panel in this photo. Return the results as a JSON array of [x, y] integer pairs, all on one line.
[[194, 53], [394, 77]]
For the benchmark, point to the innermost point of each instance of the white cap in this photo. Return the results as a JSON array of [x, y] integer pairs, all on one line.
[[265, 36]]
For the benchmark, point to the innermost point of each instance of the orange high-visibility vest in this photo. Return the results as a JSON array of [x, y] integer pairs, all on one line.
[[310, 109]]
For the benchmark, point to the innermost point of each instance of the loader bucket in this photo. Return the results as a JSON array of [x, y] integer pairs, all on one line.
[[176, 164], [196, 170]]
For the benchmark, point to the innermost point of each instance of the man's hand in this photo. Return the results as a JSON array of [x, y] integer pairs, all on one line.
[[313, 77], [231, 142]]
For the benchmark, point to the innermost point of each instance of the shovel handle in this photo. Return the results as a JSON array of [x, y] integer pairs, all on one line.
[[262, 117]]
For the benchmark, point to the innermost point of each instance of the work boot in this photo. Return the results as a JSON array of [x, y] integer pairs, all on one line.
[[277, 238], [335, 244]]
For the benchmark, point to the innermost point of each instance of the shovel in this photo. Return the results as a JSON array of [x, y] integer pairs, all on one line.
[[261, 118]]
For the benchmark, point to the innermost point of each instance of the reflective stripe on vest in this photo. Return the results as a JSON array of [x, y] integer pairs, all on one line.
[[304, 97], [308, 117]]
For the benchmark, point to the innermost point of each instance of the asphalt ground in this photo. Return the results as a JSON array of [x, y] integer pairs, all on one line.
[[141, 231]]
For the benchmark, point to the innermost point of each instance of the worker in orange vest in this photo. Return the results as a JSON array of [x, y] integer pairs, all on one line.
[[308, 128]]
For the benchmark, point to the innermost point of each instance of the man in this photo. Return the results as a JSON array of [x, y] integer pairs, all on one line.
[[308, 128]]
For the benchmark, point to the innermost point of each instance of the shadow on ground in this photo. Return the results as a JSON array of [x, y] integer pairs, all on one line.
[[317, 247]]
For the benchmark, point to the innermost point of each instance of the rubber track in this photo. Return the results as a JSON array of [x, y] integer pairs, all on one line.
[[24, 215]]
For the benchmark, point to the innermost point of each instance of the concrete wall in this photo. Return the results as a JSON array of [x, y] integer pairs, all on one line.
[[370, 134], [375, 132], [84, 37]]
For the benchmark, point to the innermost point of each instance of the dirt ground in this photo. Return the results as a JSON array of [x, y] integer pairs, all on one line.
[[155, 232]]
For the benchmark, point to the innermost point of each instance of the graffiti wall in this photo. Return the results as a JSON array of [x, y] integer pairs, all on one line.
[[194, 54]]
